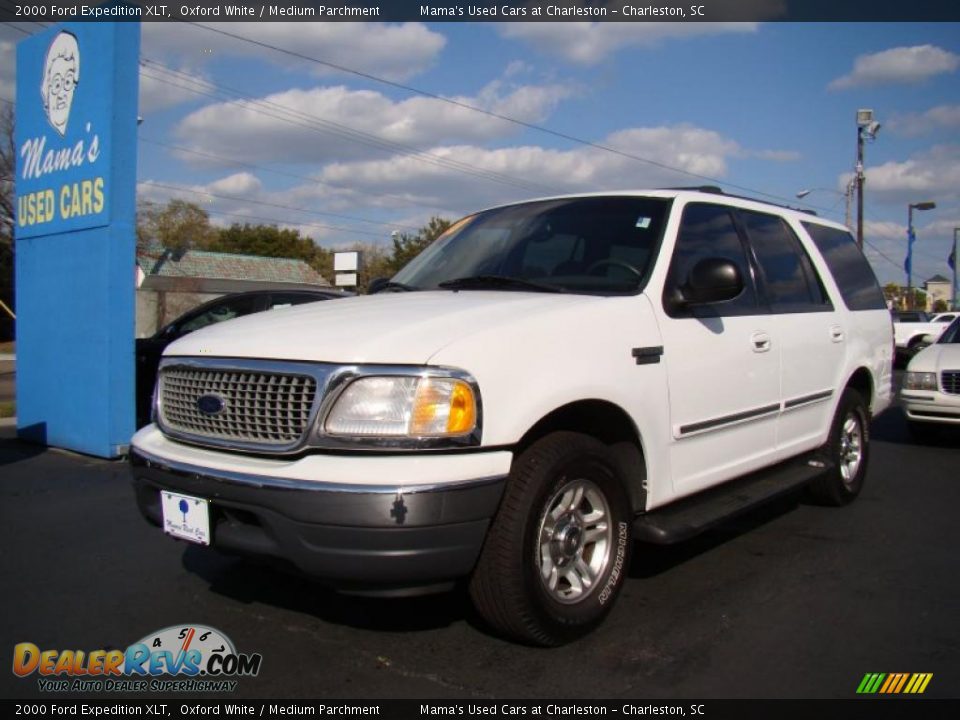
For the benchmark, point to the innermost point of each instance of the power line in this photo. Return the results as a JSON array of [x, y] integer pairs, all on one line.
[[318, 124], [489, 113], [185, 189], [277, 222], [283, 173], [16, 27]]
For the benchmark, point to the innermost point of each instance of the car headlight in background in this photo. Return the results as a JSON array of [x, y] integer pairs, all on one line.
[[920, 381], [404, 407]]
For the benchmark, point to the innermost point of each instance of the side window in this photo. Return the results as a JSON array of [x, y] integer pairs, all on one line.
[[708, 231], [789, 278], [227, 310], [850, 269]]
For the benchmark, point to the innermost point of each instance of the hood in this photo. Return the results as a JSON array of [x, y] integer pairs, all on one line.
[[396, 328], [937, 358]]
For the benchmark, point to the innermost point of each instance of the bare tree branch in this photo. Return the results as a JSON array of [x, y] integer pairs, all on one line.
[[7, 169]]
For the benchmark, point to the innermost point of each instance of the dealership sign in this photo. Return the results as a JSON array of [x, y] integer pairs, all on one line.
[[62, 164], [75, 186]]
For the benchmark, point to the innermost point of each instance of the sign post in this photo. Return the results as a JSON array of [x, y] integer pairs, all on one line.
[[75, 184]]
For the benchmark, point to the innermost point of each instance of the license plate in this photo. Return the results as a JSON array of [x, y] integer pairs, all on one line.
[[186, 517]]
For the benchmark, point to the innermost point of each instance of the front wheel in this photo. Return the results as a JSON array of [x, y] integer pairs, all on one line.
[[557, 552], [848, 449]]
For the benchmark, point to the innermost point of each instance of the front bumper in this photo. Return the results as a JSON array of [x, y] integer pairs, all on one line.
[[394, 535], [932, 406]]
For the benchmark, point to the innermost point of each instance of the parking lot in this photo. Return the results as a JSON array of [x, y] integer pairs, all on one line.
[[792, 600]]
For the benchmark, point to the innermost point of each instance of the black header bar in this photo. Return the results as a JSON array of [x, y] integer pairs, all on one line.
[[183, 706], [486, 11]]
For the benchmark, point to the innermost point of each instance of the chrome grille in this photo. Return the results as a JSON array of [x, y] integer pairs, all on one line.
[[950, 381], [258, 408]]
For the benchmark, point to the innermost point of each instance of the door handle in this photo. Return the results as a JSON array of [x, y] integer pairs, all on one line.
[[836, 333], [760, 341]]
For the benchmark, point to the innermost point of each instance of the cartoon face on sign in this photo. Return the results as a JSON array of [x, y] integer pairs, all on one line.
[[61, 73]]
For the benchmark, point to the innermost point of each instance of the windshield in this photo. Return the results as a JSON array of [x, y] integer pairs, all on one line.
[[595, 245], [951, 335]]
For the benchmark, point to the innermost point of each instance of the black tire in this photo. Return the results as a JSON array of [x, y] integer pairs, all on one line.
[[508, 587], [848, 448]]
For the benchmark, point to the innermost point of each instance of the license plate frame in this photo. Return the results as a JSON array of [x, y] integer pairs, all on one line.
[[186, 517]]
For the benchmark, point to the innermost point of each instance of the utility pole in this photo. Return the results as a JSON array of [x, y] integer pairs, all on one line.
[[867, 129], [859, 178]]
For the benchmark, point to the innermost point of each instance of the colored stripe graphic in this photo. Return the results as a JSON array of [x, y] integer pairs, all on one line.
[[894, 683]]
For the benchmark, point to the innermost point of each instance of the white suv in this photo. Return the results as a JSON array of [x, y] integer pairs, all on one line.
[[546, 383]]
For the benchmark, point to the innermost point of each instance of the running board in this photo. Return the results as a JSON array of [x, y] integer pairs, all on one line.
[[692, 515]]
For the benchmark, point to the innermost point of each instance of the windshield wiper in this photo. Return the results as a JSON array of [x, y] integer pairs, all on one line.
[[391, 285], [497, 282]]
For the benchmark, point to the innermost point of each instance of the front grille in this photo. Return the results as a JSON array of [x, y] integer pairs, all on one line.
[[950, 380], [258, 408]]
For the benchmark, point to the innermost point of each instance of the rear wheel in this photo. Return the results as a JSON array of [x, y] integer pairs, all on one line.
[[557, 552], [848, 449]]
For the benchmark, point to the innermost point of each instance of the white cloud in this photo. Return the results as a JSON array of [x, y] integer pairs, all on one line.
[[395, 51], [336, 123], [236, 185], [587, 43], [933, 174], [941, 117], [542, 171], [898, 65]]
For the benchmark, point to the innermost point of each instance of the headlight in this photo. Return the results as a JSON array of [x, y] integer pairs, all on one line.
[[920, 381], [404, 407]]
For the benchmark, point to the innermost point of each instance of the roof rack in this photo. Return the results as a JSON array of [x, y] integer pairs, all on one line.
[[715, 190], [712, 189]]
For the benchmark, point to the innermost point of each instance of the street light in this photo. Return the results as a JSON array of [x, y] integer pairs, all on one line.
[[867, 129], [911, 237], [847, 196]]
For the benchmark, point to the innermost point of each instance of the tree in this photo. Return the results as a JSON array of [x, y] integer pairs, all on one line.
[[177, 226], [271, 241], [406, 247], [7, 169], [893, 294]]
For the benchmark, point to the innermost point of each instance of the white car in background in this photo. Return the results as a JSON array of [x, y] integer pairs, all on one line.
[[912, 335], [931, 385]]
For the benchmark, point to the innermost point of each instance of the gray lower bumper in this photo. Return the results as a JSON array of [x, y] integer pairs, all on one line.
[[355, 538]]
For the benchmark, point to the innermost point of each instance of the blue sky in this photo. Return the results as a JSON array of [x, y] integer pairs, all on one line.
[[769, 108]]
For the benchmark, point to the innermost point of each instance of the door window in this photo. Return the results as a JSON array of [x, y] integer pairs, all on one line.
[[708, 231]]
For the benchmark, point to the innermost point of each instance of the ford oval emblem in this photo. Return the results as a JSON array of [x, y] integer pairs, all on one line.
[[210, 404]]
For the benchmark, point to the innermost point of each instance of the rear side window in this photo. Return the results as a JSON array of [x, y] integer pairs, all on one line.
[[850, 269], [789, 277]]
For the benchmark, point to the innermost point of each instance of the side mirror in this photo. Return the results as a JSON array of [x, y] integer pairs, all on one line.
[[712, 280], [376, 285]]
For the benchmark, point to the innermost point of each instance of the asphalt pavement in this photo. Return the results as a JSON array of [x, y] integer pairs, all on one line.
[[789, 601]]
